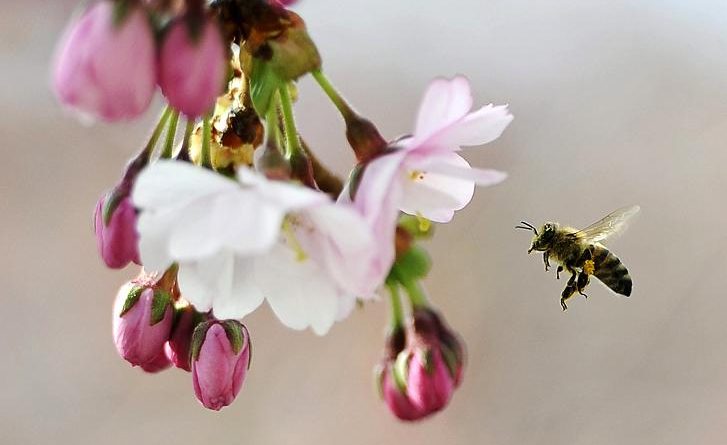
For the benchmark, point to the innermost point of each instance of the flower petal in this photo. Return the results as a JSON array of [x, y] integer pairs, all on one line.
[[477, 128], [433, 195], [445, 102], [298, 292], [166, 183], [154, 229]]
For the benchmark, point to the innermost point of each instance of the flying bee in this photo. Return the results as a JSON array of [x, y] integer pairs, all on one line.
[[581, 253]]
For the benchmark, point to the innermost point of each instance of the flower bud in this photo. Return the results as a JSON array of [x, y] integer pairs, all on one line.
[[179, 347], [159, 363], [293, 52], [105, 65], [429, 382], [395, 395], [193, 65], [115, 227], [142, 322], [220, 360]]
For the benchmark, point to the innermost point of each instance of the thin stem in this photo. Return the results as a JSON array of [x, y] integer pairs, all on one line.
[[205, 157], [171, 133], [188, 129], [149, 149], [397, 312], [291, 133], [413, 289], [333, 94]]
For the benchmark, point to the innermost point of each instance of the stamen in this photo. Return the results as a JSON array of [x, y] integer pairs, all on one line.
[[424, 224], [416, 175], [292, 241]]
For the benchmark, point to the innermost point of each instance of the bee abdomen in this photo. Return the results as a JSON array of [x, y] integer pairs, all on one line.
[[611, 271]]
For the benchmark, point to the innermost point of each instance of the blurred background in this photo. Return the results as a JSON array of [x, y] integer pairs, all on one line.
[[616, 102]]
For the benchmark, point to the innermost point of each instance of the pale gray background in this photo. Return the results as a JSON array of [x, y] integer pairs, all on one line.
[[615, 103]]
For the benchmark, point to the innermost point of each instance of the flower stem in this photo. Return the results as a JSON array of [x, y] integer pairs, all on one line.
[[171, 133], [149, 149], [188, 129], [205, 157], [397, 313], [413, 289], [333, 94], [291, 133]]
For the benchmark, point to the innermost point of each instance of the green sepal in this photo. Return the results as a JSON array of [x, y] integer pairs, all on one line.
[[121, 10], [131, 299], [264, 84], [294, 54], [159, 304], [450, 359], [198, 336], [111, 202], [428, 361], [415, 263], [354, 179], [413, 225], [401, 371], [236, 336]]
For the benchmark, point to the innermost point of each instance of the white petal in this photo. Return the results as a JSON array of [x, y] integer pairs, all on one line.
[[345, 254], [195, 233], [477, 128], [433, 195], [298, 292], [445, 101], [481, 176], [204, 280], [154, 229], [166, 183], [380, 180], [245, 296], [287, 195], [346, 305]]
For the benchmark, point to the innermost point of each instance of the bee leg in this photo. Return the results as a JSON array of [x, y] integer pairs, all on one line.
[[546, 260], [583, 280], [558, 271], [569, 290]]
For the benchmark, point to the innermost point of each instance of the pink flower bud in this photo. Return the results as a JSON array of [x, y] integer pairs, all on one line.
[[193, 66], [115, 226], [220, 360], [142, 322], [179, 347], [429, 382], [105, 64], [395, 396], [159, 363]]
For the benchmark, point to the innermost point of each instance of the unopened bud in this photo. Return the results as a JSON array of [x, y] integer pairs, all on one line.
[[179, 347], [115, 227], [220, 360], [142, 322]]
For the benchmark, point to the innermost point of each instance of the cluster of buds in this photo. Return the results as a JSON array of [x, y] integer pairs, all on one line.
[[154, 328], [241, 211]]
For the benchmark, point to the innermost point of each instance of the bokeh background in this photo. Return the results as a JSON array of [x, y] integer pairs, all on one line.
[[616, 102]]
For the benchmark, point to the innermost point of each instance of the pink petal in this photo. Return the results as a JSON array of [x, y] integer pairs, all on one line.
[[446, 101], [477, 128]]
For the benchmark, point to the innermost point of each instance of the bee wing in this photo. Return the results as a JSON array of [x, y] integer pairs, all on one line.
[[612, 224]]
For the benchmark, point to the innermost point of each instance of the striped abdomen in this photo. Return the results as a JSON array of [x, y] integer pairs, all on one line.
[[611, 271]]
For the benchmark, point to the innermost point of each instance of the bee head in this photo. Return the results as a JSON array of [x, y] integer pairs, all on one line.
[[543, 237]]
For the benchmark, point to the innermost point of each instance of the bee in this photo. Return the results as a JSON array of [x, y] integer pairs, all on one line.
[[580, 253]]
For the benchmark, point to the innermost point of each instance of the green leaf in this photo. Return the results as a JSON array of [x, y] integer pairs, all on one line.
[[264, 84], [159, 304], [131, 299], [415, 263]]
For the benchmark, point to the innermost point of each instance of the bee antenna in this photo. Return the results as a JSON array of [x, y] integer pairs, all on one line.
[[528, 226]]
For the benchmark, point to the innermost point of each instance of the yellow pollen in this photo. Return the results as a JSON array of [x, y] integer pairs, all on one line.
[[416, 175], [589, 267], [289, 233]]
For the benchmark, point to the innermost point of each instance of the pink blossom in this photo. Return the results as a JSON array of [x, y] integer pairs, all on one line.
[[142, 321], [423, 174], [116, 238], [220, 362], [193, 67], [106, 69]]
